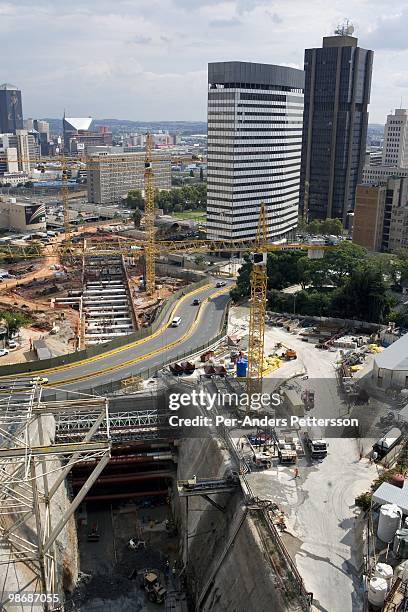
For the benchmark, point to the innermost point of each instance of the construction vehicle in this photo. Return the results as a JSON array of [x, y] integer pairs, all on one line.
[[262, 460], [308, 397], [317, 448], [383, 446], [289, 354], [134, 544], [287, 455], [294, 402], [156, 593]]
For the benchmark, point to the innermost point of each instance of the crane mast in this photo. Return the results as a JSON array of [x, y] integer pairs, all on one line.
[[65, 203], [257, 309], [149, 218]]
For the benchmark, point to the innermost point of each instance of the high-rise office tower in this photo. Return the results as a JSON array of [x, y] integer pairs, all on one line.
[[337, 93], [255, 114], [11, 109], [395, 149]]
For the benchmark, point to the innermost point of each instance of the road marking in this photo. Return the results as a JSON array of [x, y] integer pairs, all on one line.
[[124, 364], [75, 364]]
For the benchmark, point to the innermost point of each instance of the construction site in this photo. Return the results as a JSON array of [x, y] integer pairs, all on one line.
[[107, 505]]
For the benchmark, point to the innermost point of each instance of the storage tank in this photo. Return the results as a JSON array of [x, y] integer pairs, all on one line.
[[383, 570], [377, 591], [389, 522], [242, 366]]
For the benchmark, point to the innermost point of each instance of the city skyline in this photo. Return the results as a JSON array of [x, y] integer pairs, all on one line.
[[149, 62]]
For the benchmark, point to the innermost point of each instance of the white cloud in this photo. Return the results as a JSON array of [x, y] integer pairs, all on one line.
[[147, 59]]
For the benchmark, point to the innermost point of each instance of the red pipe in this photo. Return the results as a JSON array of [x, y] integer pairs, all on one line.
[[136, 457], [125, 478]]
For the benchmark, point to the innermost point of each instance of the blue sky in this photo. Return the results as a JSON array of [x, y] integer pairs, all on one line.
[[147, 59]]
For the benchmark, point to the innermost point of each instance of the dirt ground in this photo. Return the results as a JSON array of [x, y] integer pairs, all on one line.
[[107, 565]]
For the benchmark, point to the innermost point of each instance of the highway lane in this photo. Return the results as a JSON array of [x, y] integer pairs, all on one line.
[[199, 324]]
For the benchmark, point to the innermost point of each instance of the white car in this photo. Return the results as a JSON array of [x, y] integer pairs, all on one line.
[[12, 344], [39, 380], [3, 352]]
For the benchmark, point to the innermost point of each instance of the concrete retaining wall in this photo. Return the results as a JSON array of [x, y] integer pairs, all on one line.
[[228, 568]]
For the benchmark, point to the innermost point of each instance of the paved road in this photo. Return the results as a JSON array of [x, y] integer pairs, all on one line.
[[199, 324]]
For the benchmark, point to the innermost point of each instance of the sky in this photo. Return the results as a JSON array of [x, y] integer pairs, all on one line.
[[146, 60]]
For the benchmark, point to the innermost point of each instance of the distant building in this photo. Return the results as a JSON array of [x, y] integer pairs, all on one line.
[[9, 168], [8, 160], [379, 175], [381, 215], [28, 150], [395, 149], [11, 109], [255, 114], [110, 177], [337, 93], [373, 158], [394, 158], [78, 136], [22, 216]]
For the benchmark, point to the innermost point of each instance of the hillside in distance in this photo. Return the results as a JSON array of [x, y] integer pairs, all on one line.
[[121, 126]]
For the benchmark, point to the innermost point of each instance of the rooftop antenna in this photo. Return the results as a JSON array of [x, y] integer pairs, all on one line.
[[344, 29]]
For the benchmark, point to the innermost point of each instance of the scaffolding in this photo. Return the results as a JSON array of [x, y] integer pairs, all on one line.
[[33, 469]]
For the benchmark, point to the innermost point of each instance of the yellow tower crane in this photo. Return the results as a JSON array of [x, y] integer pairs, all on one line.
[[257, 311], [65, 203], [150, 275]]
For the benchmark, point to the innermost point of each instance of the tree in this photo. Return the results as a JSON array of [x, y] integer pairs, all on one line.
[[332, 227], [242, 287], [315, 227], [199, 260], [137, 217], [14, 320], [134, 199], [363, 296], [400, 317], [317, 273], [282, 269], [343, 259]]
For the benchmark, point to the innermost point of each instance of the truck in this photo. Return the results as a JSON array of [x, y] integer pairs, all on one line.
[[287, 454], [294, 402], [317, 448], [308, 397], [383, 446], [156, 593], [262, 460]]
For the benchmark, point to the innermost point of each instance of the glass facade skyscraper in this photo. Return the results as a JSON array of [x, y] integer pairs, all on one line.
[[11, 109], [255, 119], [337, 93]]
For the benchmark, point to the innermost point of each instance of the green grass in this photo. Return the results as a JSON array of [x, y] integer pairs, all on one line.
[[196, 215]]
